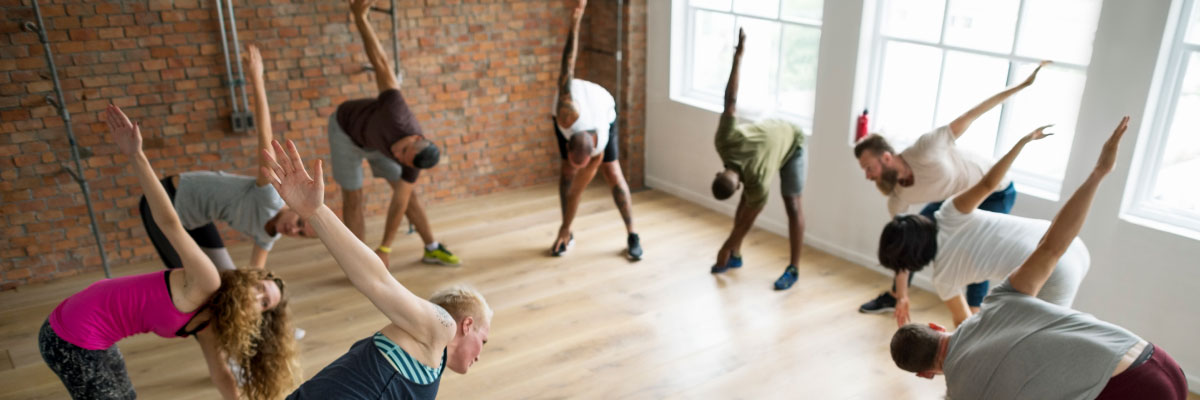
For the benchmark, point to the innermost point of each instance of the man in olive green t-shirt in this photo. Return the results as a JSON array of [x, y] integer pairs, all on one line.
[[752, 153]]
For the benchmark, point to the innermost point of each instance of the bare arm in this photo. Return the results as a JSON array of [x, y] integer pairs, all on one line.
[[218, 369], [970, 199], [574, 193], [960, 124], [565, 110], [384, 78], [262, 111], [258, 257], [731, 88], [902, 303], [958, 309], [1032, 274], [200, 274], [366, 271]]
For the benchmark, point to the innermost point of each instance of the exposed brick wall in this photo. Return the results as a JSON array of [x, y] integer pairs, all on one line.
[[598, 63], [479, 74]]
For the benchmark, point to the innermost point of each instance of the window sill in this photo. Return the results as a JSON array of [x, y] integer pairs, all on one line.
[[1161, 226], [717, 108]]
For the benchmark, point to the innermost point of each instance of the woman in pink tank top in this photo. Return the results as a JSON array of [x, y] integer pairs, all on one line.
[[239, 315]]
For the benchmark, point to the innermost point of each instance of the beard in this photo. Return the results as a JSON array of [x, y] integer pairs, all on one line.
[[888, 179]]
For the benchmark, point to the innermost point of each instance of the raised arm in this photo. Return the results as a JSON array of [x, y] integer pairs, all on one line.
[[1032, 274], [426, 322], [960, 124], [262, 111], [200, 274], [565, 110], [731, 88], [384, 78], [970, 199]]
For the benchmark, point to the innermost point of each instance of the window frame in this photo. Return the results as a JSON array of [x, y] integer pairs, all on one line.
[[1140, 206], [1040, 185], [682, 89]]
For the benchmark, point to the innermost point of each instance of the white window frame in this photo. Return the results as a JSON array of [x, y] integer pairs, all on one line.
[[682, 90], [1140, 206], [1039, 185]]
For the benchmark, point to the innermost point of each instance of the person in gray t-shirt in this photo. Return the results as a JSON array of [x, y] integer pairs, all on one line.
[[249, 205], [1019, 346]]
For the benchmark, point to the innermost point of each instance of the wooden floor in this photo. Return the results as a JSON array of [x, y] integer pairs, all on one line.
[[587, 325]]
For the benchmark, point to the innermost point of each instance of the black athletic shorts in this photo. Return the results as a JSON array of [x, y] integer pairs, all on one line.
[[206, 236], [611, 150]]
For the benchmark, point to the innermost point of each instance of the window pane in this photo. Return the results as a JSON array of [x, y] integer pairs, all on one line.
[[712, 51], [967, 81], [1059, 30], [761, 8], [982, 24], [907, 90], [760, 66], [1053, 99], [719, 5], [914, 19], [1193, 35], [1176, 184], [798, 79], [803, 9]]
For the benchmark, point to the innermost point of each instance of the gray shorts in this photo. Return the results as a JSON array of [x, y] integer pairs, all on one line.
[[791, 175], [348, 158]]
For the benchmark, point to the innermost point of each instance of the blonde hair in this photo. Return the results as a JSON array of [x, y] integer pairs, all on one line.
[[261, 343], [463, 301]]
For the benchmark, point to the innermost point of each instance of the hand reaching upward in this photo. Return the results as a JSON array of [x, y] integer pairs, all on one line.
[[127, 135], [1033, 76], [301, 192], [254, 63], [1108, 155]]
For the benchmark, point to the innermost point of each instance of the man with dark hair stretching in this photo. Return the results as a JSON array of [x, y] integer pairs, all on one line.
[[1020, 346], [932, 170], [385, 132], [585, 124], [752, 153]]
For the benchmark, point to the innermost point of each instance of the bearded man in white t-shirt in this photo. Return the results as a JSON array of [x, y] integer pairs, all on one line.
[[929, 171], [585, 124]]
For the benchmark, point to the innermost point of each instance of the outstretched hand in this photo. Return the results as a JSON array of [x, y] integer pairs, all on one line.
[[1038, 134], [254, 62], [741, 40], [1033, 76], [578, 12], [1108, 155], [301, 192], [901, 312], [361, 7], [127, 135]]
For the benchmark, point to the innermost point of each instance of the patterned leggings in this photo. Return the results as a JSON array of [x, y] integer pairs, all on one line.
[[87, 374]]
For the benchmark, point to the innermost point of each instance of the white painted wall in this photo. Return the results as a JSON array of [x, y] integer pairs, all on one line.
[[1141, 278]]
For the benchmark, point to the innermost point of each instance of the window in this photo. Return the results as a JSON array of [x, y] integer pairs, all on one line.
[[1165, 188], [779, 68], [935, 59]]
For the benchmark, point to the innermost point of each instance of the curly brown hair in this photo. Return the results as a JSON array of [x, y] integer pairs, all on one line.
[[261, 343]]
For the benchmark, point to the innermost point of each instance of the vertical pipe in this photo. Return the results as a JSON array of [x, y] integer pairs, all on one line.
[[66, 116], [237, 54], [620, 64], [228, 68], [395, 41]]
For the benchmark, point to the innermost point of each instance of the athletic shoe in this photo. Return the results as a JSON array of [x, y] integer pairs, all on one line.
[[441, 256], [734, 262], [884, 303], [786, 280], [558, 252], [634, 252]]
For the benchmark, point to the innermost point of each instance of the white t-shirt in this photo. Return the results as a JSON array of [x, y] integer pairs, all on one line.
[[984, 245], [940, 170], [204, 197], [597, 110]]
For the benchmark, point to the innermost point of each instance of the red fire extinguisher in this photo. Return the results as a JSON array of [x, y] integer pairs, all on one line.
[[861, 132]]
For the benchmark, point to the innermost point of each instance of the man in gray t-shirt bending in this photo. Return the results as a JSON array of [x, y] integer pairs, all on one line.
[[1019, 346]]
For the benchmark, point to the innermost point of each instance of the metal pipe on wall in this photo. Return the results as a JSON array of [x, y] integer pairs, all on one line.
[[60, 103], [247, 116], [235, 117]]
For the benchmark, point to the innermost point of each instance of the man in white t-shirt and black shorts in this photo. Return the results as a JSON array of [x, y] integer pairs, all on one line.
[[930, 171], [585, 126]]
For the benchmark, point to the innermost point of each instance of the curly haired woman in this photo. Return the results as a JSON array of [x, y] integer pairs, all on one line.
[[239, 315]]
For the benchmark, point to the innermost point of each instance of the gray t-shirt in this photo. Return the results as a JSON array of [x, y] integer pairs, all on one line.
[[205, 196], [1021, 347]]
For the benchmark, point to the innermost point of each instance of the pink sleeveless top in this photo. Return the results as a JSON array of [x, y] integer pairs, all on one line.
[[113, 309]]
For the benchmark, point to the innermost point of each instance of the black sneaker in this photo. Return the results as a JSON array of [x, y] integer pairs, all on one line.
[[884, 303], [634, 252]]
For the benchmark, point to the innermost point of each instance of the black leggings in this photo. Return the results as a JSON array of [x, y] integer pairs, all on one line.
[[206, 236], [87, 374]]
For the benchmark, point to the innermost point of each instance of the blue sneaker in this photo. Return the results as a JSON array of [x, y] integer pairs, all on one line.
[[734, 262], [786, 280]]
